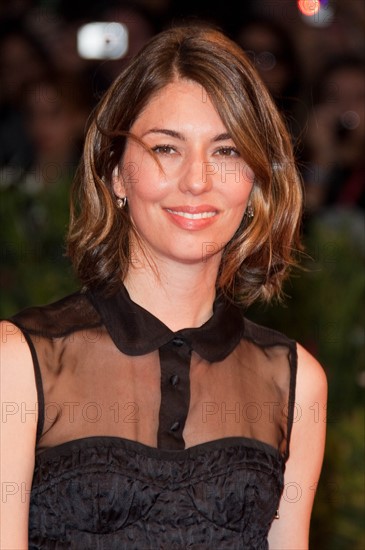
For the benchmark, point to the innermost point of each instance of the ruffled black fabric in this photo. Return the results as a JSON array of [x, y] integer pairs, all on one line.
[[112, 494]]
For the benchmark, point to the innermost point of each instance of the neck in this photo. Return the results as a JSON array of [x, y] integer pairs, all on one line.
[[181, 296]]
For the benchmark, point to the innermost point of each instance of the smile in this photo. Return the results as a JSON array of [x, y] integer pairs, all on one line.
[[191, 216]]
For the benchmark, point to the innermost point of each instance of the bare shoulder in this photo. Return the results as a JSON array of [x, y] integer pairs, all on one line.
[[311, 376], [11, 336], [304, 465], [18, 387], [16, 364], [18, 427]]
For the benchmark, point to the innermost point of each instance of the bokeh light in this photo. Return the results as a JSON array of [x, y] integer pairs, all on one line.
[[309, 7]]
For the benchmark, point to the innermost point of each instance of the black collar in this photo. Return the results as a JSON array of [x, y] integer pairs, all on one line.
[[135, 331]]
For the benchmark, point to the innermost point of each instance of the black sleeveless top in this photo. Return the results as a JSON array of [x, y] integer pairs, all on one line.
[[153, 439]]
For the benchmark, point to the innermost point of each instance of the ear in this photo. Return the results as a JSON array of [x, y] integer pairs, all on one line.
[[118, 182]]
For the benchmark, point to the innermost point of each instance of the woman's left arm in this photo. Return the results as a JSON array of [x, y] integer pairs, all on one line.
[[303, 468]]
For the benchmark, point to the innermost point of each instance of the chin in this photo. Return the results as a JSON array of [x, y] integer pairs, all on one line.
[[202, 256]]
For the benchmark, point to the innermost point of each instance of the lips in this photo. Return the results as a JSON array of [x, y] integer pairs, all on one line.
[[192, 217]]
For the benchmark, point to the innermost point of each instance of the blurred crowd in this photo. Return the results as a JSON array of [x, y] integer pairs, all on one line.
[[313, 67]]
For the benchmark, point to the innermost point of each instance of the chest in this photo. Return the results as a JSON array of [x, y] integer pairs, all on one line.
[[170, 398]]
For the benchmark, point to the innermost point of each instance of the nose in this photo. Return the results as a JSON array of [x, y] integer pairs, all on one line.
[[197, 175]]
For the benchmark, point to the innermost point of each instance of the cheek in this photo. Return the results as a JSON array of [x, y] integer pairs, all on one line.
[[239, 193], [130, 167], [236, 173], [144, 182]]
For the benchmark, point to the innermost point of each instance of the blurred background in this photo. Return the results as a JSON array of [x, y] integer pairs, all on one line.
[[311, 56]]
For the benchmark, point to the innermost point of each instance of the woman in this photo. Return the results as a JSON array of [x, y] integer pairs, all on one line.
[[165, 416]]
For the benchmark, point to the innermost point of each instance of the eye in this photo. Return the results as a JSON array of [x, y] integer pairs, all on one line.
[[227, 151], [164, 149]]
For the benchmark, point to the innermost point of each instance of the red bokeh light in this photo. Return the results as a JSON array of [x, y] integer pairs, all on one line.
[[309, 7]]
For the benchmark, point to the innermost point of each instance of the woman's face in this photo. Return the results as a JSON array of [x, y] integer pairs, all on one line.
[[190, 207]]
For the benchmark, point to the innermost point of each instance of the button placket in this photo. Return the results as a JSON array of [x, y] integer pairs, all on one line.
[[174, 380], [175, 393], [178, 342]]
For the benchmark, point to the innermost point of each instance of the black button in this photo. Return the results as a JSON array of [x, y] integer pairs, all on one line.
[[175, 426], [178, 342], [174, 380]]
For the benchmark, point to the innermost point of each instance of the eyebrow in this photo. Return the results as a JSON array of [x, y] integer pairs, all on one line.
[[222, 137], [172, 133], [165, 131]]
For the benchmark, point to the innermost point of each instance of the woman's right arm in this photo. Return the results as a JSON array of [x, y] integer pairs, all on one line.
[[19, 412]]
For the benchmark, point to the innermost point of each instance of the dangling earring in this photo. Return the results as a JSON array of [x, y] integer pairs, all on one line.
[[121, 202], [249, 210]]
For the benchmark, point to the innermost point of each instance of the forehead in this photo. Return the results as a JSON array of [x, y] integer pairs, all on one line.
[[179, 102]]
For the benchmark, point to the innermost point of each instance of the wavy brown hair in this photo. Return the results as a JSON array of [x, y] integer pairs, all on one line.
[[256, 260]]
